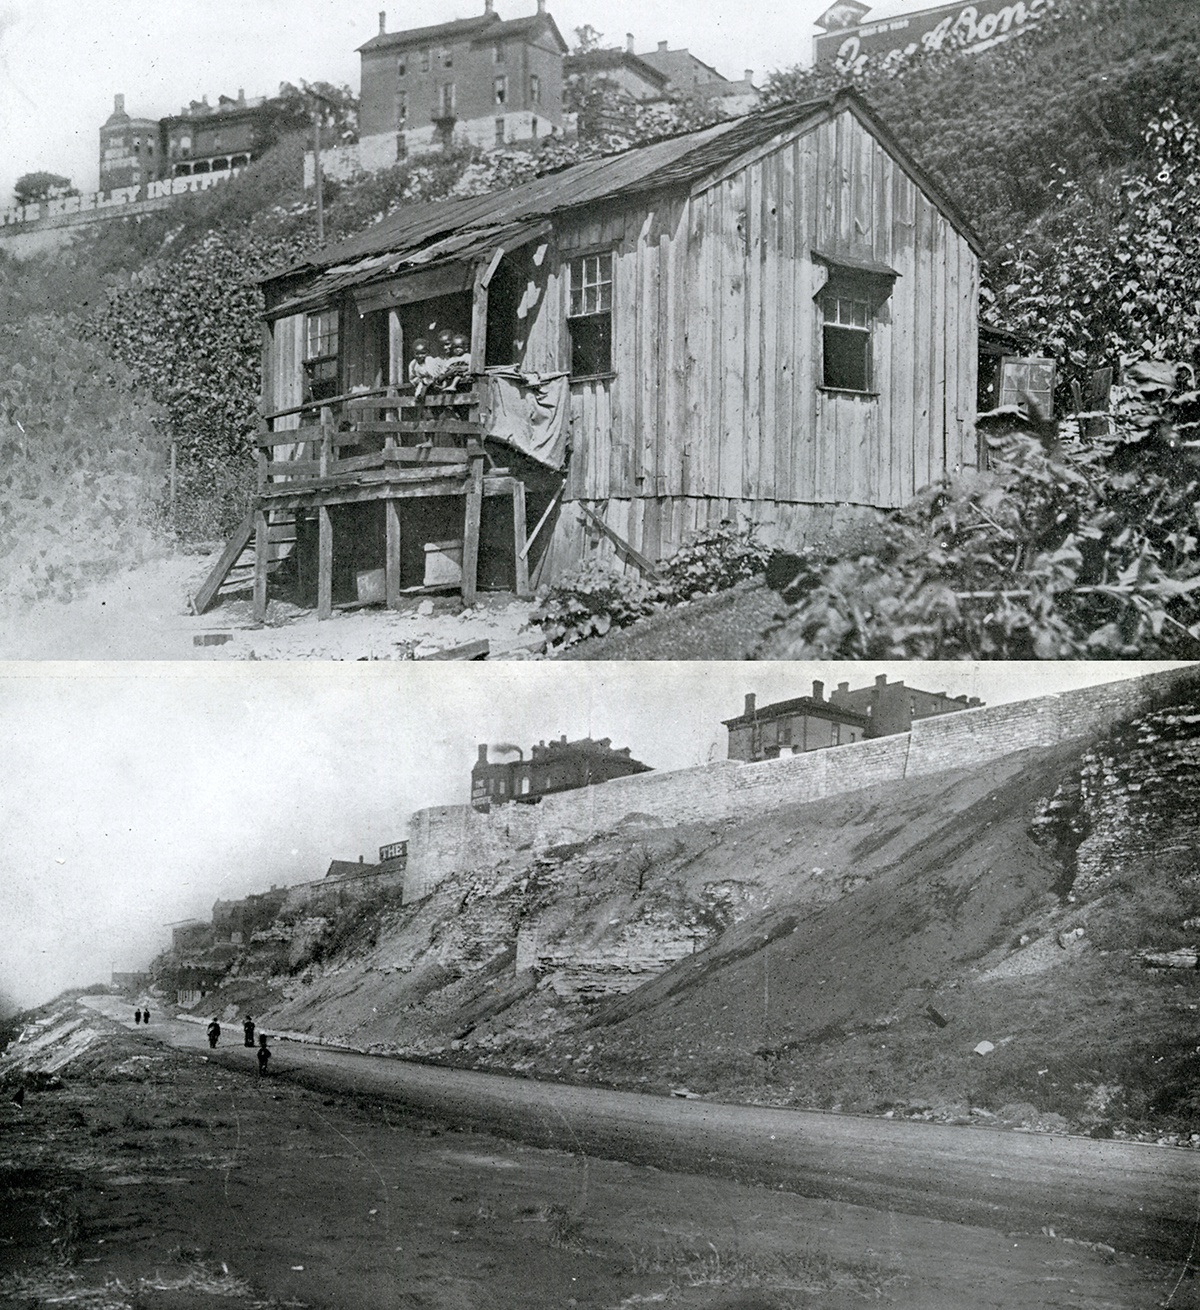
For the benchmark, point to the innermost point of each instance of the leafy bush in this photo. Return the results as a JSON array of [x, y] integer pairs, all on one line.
[[592, 599], [1061, 551], [714, 560], [81, 462], [595, 598]]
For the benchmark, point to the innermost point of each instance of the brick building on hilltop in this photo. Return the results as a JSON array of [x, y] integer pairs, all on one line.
[[560, 766], [486, 80], [808, 723]]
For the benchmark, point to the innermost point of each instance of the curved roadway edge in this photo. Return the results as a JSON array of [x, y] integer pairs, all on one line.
[[1135, 1197]]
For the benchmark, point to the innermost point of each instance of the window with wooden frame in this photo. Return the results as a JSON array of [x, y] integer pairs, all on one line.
[[535, 89], [850, 304], [424, 61], [446, 100], [846, 341], [402, 66], [321, 354], [498, 53], [500, 89], [589, 314]]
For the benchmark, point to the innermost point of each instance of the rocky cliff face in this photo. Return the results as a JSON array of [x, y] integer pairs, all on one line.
[[1132, 810]]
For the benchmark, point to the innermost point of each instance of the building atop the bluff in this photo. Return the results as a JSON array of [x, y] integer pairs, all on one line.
[[487, 80], [810, 723], [560, 766]]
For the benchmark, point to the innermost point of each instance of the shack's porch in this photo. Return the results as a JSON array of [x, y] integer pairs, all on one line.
[[350, 503]]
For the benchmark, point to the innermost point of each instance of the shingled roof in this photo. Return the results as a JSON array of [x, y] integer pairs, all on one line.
[[432, 233]]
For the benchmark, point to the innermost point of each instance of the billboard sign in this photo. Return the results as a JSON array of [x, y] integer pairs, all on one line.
[[972, 26]]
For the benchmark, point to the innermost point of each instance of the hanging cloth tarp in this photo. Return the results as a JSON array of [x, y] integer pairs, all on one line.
[[529, 412]]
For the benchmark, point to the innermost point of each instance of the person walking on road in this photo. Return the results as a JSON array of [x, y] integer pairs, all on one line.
[[146, 1016], [264, 1056], [214, 1033], [248, 1029], [137, 1016]]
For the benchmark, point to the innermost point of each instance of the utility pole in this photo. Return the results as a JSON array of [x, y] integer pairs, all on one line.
[[316, 113]]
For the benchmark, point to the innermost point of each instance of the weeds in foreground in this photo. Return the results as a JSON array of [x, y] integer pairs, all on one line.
[[809, 1270]]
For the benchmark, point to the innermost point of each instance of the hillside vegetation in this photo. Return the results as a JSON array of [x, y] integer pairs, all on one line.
[[1073, 151], [846, 954]]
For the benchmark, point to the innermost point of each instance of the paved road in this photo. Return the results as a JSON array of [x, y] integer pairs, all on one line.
[[1137, 1198]]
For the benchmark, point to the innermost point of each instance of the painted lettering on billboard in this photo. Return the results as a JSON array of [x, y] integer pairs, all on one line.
[[974, 27]]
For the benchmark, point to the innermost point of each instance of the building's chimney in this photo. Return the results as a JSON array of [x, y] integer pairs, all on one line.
[[662, 47], [881, 679], [749, 710], [483, 753], [844, 688], [489, 6], [749, 74], [241, 95], [563, 739], [382, 21], [629, 42], [360, 859], [118, 104], [541, 6], [818, 691]]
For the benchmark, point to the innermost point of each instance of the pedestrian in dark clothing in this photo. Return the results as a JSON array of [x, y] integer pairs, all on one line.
[[137, 1016], [214, 1032], [264, 1055], [146, 1016], [248, 1029]]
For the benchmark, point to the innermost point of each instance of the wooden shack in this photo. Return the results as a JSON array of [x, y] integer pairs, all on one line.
[[768, 320]]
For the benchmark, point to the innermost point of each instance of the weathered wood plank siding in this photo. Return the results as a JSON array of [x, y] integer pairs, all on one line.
[[715, 408]]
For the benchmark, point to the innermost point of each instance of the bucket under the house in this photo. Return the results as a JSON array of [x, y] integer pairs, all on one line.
[[371, 585], [443, 563]]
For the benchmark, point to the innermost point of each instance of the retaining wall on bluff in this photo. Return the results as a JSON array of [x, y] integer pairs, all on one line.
[[458, 839]]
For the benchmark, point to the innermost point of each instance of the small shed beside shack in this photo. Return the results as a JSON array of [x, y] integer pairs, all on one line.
[[771, 320]]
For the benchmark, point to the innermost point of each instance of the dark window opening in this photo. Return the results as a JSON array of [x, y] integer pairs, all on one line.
[[846, 341], [590, 317]]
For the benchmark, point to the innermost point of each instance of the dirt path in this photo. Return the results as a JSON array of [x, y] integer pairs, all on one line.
[[143, 614], [1131, 1196], [157, 1178]]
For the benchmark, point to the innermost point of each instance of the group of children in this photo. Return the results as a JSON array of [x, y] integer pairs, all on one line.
[[439, 363], [264, 1054]]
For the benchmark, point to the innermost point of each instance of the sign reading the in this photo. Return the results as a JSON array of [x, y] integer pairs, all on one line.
[[973, 26]]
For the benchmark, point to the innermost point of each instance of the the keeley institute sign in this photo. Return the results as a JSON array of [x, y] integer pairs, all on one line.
[[973, 26]]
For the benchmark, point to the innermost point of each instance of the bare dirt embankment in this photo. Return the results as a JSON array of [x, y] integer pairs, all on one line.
[[140, 1176]]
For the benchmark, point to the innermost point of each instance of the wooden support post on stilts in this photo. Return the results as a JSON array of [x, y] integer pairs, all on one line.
[[324, 563], [261, 559], [520, 554], [392, 562], [474, 507]]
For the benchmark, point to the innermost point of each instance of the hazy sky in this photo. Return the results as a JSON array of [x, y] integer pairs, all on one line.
[[61, 61], [135, 795]]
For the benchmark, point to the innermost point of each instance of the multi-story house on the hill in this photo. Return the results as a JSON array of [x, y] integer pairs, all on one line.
[[201, 139], [560, 766], [693, 77], [486, 80], [809, 723], [131, 151]]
